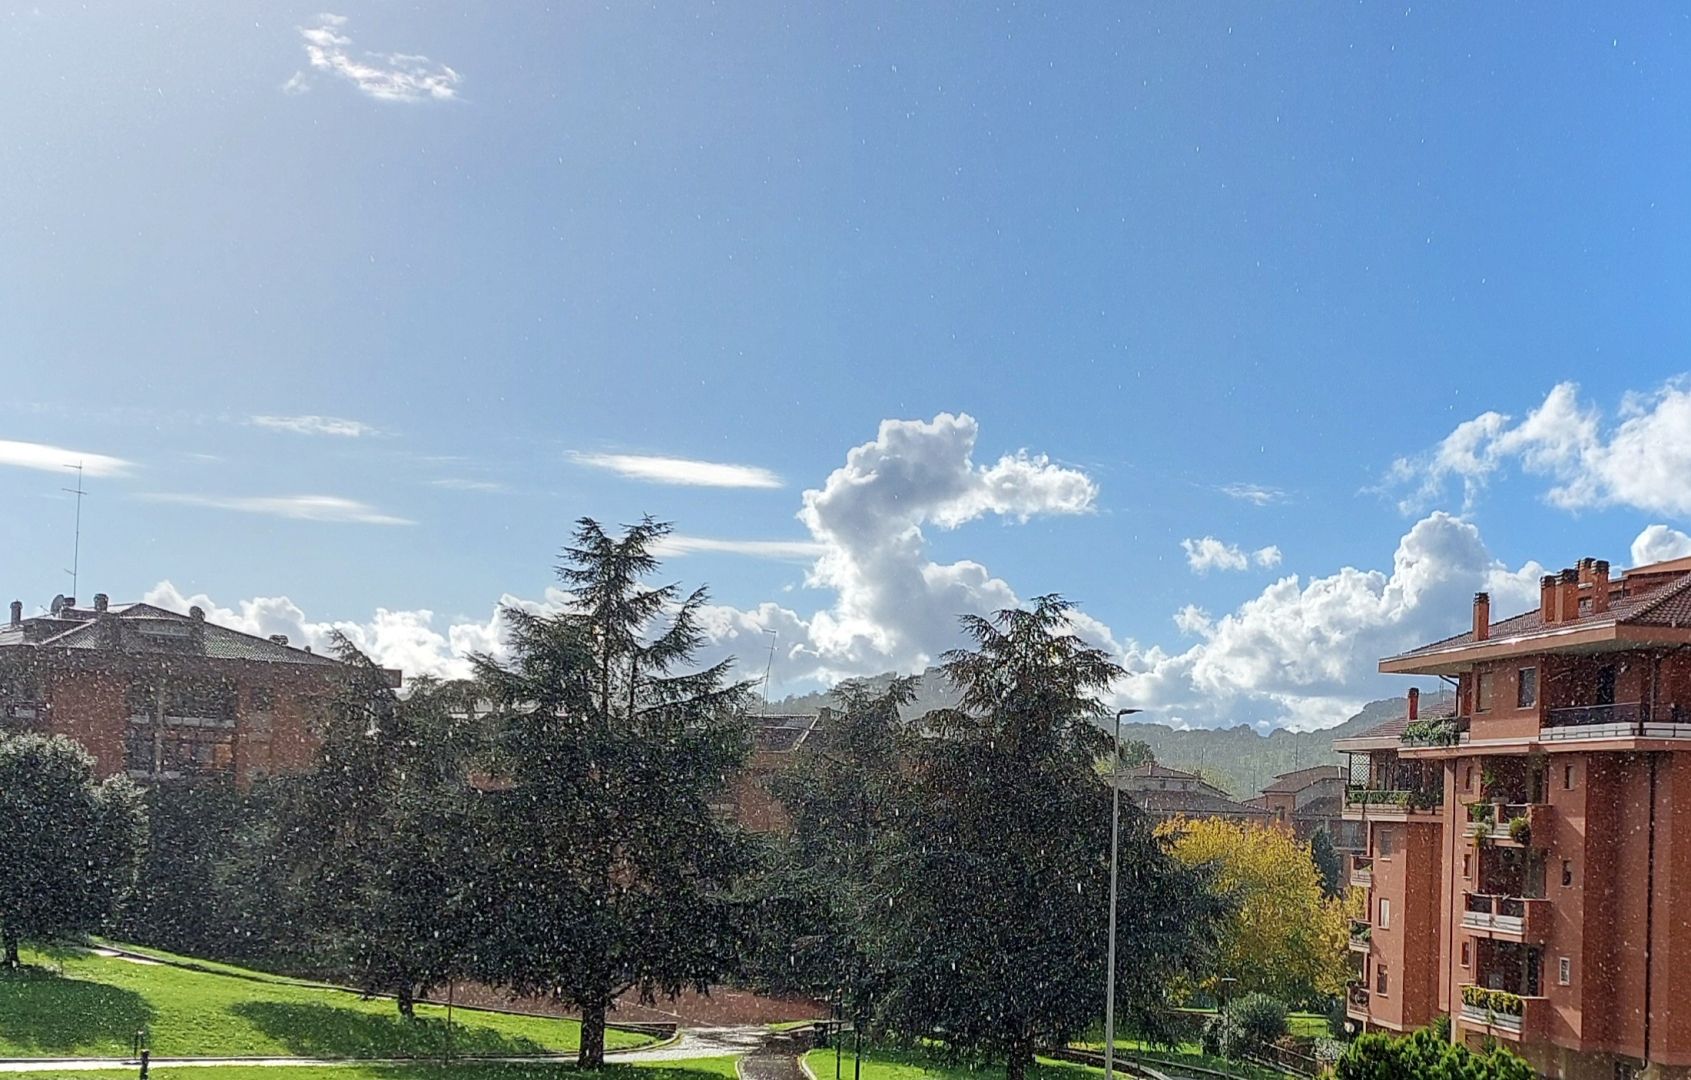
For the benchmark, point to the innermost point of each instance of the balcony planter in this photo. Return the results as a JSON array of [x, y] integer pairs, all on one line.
[[1431, 733], [1500, 1002]]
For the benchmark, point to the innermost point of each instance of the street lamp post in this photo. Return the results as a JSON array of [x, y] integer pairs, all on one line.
[[1115, 839]]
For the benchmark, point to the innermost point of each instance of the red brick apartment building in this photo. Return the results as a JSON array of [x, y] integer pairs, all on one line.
[[1528, 860], [163, 696]]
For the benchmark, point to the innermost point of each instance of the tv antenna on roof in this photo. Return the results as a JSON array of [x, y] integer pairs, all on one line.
[[76, 543], [769, 665]]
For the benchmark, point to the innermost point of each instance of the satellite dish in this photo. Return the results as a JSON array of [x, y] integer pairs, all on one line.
[[58, 603]]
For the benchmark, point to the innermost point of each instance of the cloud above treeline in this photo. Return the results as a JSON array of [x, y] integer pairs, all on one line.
[[1300, 651]]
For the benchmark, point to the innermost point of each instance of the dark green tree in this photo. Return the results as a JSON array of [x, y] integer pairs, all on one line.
[[616, 874], [385, 840], [69, 847], [992, 888], [841, 794], [1327, 864]]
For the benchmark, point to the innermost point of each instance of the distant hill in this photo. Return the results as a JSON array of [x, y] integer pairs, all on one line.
[[1238, 759]]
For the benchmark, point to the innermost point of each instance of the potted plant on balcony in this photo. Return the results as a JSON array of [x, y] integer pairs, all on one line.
[[1520, 830]]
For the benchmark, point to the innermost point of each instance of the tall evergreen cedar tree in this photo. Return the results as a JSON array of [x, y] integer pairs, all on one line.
[[384, 840], [989, 912], [69, 847], [811, 902], [613, 872]]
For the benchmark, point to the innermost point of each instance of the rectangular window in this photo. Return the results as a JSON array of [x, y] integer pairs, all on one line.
[[1468, 778], [1564, 970], [1482, 692], [1383, 843], [1526, 690], [1380, 982], [1567, 872], [1467, 865], [1567, 778], [1385, 913], [1467, 954]]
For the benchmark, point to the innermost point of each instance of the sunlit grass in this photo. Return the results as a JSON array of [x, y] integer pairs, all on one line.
[[96, 1005]]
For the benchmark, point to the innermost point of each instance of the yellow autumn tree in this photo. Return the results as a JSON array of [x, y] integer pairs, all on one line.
[[1284, 938]]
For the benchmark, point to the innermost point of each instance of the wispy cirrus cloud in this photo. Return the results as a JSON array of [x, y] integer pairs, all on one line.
[[798, 550], [404, 77], [682, 471], [1255, 494], [32, 455], [334, 426], [325, 508], [462, 483]]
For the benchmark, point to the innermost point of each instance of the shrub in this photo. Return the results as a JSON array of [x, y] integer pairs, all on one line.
[[1431, 733], [1480, 811], [1427, 1056], [1244, 1026]]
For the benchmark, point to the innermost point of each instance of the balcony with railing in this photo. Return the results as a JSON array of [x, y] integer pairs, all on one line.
[[1504, 1015], [1508, 823], [1506, 918], [1393, 804], [1362, 870], [1360, 935], [1356, 1001], [1619, 720]]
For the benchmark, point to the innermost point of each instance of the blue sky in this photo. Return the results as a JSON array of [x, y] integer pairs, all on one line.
[[1168, 253]]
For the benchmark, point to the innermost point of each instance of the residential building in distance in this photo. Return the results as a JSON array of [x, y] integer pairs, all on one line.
[[1528, 854], [777, 740], [162, 696], [1309, 800], [1166, 793]]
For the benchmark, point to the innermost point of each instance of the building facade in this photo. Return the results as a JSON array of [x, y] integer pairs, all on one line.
[[161, 696], [1524, 851], [1311, 800], [1166, 793]]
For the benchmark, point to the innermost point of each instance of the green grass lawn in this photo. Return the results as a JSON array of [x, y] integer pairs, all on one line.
[[95, 1007], [886, 1064], [716, 1068]]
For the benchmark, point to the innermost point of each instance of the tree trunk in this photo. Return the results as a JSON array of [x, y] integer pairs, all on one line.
[[10, 937], [592, 1035], [1021, 1056], [407, 999]]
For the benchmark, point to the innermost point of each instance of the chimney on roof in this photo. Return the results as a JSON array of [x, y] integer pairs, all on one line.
[[1482, 616], [279, 639], [17, 612], [1568, 589], [197, 613], [102, 601], [1547, 598], [1414, 703], [1599, 586]]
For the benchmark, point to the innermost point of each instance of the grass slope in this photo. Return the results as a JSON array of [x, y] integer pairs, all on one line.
[[716, 1068], [96, 1005]]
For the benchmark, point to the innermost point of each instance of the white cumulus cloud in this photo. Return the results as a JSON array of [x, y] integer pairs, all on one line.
[[1638, 458], [1658, 543], [1208, 553], [1304, 652], [392, 76]]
